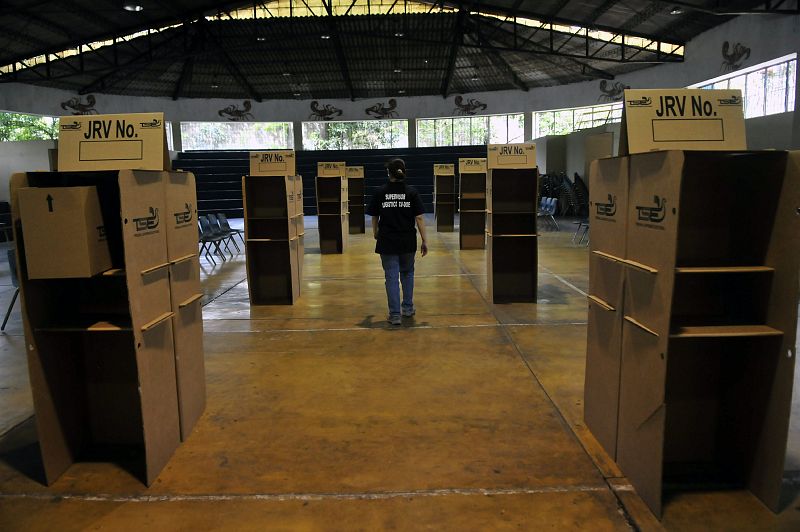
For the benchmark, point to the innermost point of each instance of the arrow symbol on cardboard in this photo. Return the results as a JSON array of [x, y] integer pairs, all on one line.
[[50, 203]]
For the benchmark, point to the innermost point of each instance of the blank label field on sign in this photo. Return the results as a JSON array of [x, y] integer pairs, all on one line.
[[507, 160], [688, 130], [271, 167], [111, 150]]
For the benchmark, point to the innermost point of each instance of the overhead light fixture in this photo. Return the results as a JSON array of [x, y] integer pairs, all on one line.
[[131, 6], [398, 70], [287, 74], [474, 78], [325, 36], [426, 61], [399, 34], [296, 94], [401, 91], [214, 86], [261, 39], [676, 11]]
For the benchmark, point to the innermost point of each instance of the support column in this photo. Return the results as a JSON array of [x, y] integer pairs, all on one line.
[[528, 125], [297, 130], [412, 133], [177, 140]]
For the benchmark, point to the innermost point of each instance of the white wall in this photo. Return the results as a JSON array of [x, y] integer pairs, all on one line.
[[770, 132], [24, 156]]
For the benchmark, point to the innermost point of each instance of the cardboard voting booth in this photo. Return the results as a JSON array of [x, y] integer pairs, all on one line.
[[103, 348], [692, 299], [273, 223], [355, 199], [332, 207], [472, 203], [444, 197], [511, 199]]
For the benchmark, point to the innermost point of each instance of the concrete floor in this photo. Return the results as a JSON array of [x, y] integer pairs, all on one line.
[[322, 417]]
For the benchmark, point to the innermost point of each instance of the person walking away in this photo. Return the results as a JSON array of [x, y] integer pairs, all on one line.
[[395, 208]]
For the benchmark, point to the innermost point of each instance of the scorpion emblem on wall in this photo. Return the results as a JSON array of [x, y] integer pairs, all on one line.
[[233, 113], [381, 111], [326, 112]]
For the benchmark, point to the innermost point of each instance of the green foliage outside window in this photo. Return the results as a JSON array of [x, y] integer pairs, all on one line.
[[17, 126]]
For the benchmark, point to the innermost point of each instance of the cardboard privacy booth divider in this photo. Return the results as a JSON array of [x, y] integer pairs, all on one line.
[[598, 146], [275, 163], [101, 350], [273, 222], [675, 119], [472, 203], [709, 311], [355, 198], [511, 243], [66, 223], [186, 296], [332, 207], [444, 197], [112, 142]]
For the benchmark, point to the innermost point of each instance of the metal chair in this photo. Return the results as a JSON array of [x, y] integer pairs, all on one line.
[[223, 222], [208, 239], [12, 266], [227, 236]]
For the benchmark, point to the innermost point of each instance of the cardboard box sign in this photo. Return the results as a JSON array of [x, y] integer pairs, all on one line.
[[685, 119], [276, 162], [472, 166], [355, 172], [331, 169], [511, 155], [112, 142], [444, 169], [64, 232]]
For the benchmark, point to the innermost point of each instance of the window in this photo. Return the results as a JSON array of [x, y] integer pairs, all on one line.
[[470, 130], [356, 135], [18, 126], [168, 133], [563, 121], [767, 88], [237, 135]]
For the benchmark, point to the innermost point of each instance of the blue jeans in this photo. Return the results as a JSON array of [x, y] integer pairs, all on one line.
[[402, 266]]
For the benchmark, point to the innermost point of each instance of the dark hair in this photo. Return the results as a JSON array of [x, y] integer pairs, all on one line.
[[397, 169]]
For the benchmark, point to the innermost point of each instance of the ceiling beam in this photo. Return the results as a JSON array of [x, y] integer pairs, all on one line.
[[116, 31], [127, 69], [339, 49], [545, 17], [231, 66], [500, 63], [457, 40], [586, 69], [652, 9]]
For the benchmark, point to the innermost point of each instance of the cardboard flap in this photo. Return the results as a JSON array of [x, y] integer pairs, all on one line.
[[275, 162], [511, 155], [688, 119], [355, 172], [335, 169], [112, 142], [472, 165], [444, 169]]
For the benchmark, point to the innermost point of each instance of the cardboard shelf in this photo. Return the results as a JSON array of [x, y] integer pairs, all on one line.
[[723, 331], [724, 269], [604, 304]]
